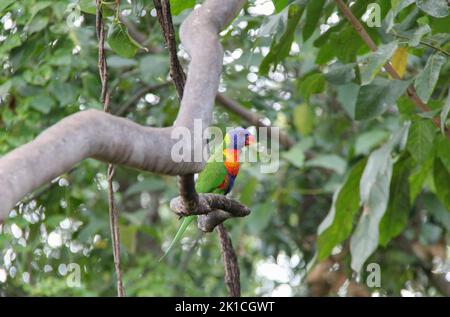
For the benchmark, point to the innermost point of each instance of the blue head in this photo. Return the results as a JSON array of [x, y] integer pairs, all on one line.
[[237, 138]]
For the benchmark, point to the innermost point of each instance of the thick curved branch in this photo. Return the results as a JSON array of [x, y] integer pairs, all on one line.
[[117, 140], [189, 196]]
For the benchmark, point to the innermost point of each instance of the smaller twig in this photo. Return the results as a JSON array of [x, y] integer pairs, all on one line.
[[232, 275], [139, 94], [437, 48], [138, 36], [165, 20], [113, 213]]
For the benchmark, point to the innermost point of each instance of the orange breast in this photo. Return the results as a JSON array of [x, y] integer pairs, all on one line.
[[232, 161]]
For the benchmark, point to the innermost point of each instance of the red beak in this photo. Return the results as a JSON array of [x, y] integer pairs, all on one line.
[[250, 139]]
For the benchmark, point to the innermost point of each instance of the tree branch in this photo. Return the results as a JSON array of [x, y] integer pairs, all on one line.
[[165, 20], [411, 91], [189, 196], [186, 183], [95, 134], [212, 210], [138, 36], [139, 94], [230, 262], [430, 45], [252, 117]]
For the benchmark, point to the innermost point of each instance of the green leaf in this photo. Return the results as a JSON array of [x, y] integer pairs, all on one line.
[[439, 25], [365, 142], [417, 179], [63, 92], [304, 119], [5, 4], [280, 49], [374, 194], [280, 4], [260, 217], [435, 8], [312, 84], [313, 13], [441, 178], [371, 63], [120, 42], [42, 103], [274, 23], [375, 98], [396, 216], [418, 34], [443, 150], [178, 6], [11, 42], [428, 77], [88, 6], [39, 76], [295, 156], [347, 96], [406, 106], [329, 161], [340, 74], [37, 24], [344, 45], [420, 140], [108, 8], [338, 224]]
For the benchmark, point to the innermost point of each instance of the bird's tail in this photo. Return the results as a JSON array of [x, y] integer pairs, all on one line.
[[186, 222]]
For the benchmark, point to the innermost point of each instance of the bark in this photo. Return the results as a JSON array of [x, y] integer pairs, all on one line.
[[117, 140]]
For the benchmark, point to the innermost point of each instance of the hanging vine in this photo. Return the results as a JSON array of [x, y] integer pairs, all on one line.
[[113, 212]]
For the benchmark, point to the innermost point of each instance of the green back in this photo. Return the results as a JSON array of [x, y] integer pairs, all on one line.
[[212, 175], [208, 181]]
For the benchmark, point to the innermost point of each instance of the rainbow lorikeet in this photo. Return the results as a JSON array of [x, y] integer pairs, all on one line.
[[219, 173]]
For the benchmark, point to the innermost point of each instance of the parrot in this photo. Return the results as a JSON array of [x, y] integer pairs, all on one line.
[[219, 173]]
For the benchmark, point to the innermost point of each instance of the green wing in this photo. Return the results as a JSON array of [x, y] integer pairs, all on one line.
[[208, 180], [213, 174]]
